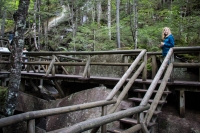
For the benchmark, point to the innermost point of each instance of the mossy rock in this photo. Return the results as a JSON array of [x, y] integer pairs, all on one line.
[[3, 92]]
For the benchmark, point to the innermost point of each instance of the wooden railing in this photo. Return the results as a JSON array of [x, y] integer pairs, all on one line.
[[144, 120], [36, 114]]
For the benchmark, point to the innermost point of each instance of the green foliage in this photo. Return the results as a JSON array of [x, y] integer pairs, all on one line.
[[182, 18], [3, 93]]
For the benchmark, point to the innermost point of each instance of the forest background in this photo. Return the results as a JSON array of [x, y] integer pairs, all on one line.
[[95, 25]]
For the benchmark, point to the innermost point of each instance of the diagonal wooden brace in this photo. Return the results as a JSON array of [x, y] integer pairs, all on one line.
[[51, 65]]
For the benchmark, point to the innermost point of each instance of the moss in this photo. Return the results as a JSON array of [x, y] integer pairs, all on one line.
[[3, 92]]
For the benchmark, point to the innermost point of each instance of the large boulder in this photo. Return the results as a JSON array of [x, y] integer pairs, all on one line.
[[86, 96]]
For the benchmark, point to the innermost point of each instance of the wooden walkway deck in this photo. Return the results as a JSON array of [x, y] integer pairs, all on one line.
[[95, 79]]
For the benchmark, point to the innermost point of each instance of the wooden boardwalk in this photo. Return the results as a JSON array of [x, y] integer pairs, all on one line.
[[95, 79]]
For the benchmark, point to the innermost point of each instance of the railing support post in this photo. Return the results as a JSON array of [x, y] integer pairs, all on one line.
[[144, 128], [28, 66], [172, 74], [154, 66], [182, 103], [31, 126], [199, 68], [87, 68], [50, 66], [144, 73], [104, 112]]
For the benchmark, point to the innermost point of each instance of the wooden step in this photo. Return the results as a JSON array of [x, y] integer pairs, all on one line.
[[135, 99], [155, 91], [115, 130], [134, 122], [155, 112]]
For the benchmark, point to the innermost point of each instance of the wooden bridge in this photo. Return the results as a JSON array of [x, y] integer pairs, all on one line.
[[131, 68]]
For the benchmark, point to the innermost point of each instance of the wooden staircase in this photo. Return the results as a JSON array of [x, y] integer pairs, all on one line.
[[126, 123]]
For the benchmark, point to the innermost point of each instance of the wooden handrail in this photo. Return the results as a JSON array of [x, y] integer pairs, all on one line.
[[127, 88], [157, 77], [35, 114], [49, 112], [125, 76], [92, 123], [158, 95], [50, 53]]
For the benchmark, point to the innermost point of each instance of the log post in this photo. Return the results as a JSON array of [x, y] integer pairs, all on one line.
[[182, 103], [86, 68], [39, 65], [172, 74], [144, 72], [125, 60], [154, 66], [144, 128], [28, 66], [31, 126], [0, 59], [104, 112], [53, 72], [199, 68]]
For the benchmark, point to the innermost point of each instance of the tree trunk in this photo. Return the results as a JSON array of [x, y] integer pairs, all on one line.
[[3, 26], [16, 57], [109, 19], [131, 21], [34, 25], [118, 24], [99, 10], [39, 23], [135, 23]]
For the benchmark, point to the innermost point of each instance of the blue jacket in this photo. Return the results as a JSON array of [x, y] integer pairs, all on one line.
[[168, 43], [11, 37]]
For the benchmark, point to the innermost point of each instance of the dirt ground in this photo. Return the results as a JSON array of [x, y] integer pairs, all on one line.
[[171, 122]]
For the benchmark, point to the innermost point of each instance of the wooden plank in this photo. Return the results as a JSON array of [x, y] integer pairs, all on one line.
[[112, 80], [155, 112]]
